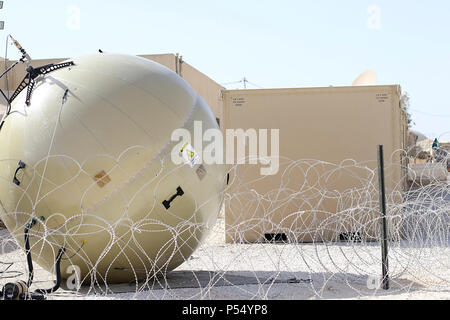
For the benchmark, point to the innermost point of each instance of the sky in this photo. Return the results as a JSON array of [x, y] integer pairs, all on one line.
[[273, 44]]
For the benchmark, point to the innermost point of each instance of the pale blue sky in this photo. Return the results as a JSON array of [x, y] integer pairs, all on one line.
[[272, 43]]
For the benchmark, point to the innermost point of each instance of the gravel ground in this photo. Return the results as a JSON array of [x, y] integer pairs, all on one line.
[[270, 271]]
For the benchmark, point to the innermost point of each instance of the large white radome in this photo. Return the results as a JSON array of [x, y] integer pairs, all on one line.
[[98, 169]]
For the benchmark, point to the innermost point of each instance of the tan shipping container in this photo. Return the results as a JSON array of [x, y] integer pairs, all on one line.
[[334, 127]]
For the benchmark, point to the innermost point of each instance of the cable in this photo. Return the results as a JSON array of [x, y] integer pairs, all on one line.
[[6, 67], [58, 275], [19, 290], [255, 85], [430, 114], [28, 81], [25, 57], [5, 73], [7, 271], [240, 81], [228, 83], [28, 253]]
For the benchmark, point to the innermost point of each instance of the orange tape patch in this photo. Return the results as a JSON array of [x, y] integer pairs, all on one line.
[[102, 179]]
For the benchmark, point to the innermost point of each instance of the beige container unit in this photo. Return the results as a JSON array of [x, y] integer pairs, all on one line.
[[305, 198], [207, 88]]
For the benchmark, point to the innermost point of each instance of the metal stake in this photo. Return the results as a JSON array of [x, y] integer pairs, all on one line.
[[384, 238]]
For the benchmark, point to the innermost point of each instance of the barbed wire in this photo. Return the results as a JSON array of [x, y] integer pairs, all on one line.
[[310, 232]]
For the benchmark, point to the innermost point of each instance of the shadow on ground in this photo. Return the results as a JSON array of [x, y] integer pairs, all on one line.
[[249, 285]]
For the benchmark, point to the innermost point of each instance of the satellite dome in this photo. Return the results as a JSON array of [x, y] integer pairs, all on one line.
[[368, 78], [420, 136], [85, 163]]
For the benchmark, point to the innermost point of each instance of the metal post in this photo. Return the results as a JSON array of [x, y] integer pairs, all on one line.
[[384, 238]]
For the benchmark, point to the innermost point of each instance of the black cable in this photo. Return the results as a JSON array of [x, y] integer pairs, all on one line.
[[58, 275], [28, 252], [431, 114], [40, 293], [9, 69], [15, 273]]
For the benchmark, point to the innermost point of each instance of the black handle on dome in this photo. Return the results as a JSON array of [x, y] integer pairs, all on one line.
[[21, 166], [166, 203]]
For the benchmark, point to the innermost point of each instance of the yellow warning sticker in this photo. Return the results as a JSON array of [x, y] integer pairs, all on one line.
[[189, 155]]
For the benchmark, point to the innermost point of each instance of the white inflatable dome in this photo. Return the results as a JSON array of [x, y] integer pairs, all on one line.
[[95, 142]]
